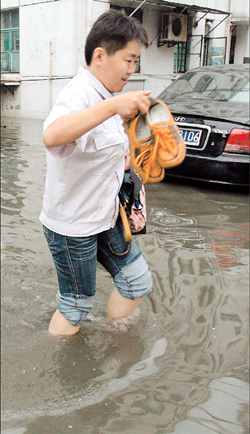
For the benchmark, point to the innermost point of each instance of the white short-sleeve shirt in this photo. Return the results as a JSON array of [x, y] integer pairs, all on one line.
[[83, 180]]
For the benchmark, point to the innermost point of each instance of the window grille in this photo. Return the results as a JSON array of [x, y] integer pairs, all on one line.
[[180, 53]]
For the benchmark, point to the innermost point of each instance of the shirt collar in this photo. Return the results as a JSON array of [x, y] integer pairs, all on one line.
[[94, 82]]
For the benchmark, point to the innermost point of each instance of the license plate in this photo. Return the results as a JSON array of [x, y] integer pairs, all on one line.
[[191, 137]]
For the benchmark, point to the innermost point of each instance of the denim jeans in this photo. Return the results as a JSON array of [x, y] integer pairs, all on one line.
[[75, 259]]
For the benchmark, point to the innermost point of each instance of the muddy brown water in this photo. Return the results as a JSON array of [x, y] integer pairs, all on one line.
[[181, 367]]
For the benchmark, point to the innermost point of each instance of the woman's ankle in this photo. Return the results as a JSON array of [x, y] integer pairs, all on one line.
[[59, 325], [121, 307]]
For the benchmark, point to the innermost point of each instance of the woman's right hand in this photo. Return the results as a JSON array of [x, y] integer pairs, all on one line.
[[129, 104]]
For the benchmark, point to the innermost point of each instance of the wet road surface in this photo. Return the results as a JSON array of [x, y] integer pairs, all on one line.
[[182, 367]]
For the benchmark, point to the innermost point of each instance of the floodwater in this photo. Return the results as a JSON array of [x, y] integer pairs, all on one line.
[[182, 367]]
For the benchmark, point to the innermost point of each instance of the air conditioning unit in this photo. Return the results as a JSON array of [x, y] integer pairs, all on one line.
[[173, 28]]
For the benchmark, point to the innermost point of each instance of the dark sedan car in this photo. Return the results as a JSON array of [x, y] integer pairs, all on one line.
[[210, 104]]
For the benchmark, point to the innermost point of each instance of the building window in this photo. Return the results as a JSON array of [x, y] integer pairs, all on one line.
[[180, 54], [233, 42], [215, 51], [10, 41]]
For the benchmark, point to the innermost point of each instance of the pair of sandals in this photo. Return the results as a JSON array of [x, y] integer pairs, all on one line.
[[155, 142]]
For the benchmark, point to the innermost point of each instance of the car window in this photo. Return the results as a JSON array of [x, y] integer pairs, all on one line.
[[242, 95], [216, 85]]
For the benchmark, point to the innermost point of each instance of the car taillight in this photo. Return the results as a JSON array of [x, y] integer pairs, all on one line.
[[238, 141]]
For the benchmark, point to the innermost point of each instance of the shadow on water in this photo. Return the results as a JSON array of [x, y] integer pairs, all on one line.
[[182, 367]]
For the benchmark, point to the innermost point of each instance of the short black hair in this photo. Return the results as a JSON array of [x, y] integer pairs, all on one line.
[[112, 31]]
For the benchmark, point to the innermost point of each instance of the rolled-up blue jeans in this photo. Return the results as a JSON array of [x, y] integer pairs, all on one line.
[[76, 259]]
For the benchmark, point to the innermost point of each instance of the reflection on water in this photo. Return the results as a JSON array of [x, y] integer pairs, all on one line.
[[181, 368], [224, 411], [176, 231], [231, 248]]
